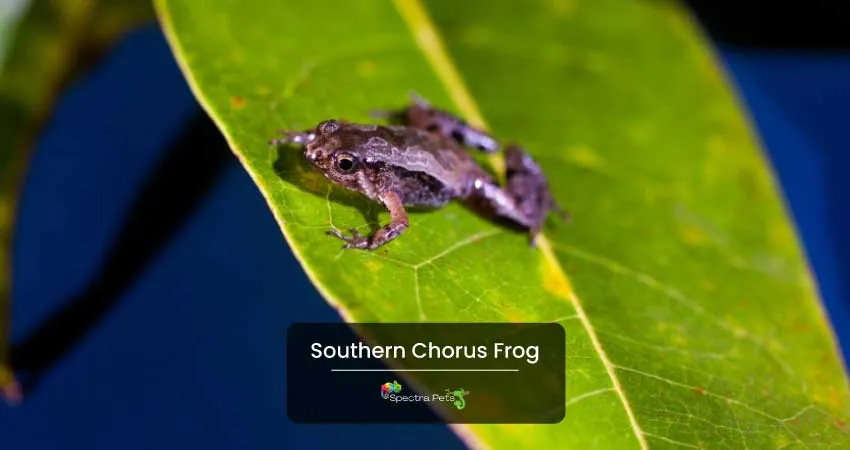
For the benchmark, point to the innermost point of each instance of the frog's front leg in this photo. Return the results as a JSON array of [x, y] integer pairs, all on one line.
[[398, 223], [421, 115]]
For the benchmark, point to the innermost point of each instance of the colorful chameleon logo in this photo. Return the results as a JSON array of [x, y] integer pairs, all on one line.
[[390, 388]]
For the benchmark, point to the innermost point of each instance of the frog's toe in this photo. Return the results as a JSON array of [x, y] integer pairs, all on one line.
[[560, 211], [356, 240], [337, 234], [532, 240], [285, 139], [361, 244]]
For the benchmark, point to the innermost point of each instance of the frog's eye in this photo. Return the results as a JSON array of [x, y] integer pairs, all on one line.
[[345, 162]]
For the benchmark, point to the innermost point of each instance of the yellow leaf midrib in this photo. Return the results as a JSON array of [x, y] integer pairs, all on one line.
[[426, 36]]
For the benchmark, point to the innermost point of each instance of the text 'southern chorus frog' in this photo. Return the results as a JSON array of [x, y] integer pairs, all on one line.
[[422, 163]]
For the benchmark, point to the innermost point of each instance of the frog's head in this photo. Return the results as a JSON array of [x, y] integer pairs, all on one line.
[[331, 153]]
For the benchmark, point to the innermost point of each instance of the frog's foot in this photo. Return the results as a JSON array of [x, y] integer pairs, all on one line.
[[371, 242], [527, 185], [356, 240], [294, 137], [561, 212], [398, 223]]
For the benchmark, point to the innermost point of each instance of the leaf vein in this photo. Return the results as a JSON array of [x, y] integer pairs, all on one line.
[[460, 244], [726, 399], [671, 441], [581, 397], [677, 295], [663, 348]]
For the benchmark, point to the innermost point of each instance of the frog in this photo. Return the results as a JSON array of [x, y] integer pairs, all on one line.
[[422, 159]]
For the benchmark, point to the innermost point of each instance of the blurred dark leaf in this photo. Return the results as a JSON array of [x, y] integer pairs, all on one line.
[[47, 45]]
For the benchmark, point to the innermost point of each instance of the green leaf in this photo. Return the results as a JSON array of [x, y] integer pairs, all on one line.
[[45, 45], [691, 317]]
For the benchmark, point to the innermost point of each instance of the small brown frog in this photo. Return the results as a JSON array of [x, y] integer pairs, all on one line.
[[422, 163]]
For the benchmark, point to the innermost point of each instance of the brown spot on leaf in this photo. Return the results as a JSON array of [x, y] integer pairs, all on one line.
[[237, 102], [699, 391]]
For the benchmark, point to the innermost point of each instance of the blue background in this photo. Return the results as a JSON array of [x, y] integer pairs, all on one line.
[[188, 349]]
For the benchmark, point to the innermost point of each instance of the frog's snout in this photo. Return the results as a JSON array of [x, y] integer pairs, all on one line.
[[311, 156], [314, 155]]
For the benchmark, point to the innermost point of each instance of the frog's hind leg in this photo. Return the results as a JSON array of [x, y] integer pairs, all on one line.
[[420, 114], [489, 195], [525, 200]]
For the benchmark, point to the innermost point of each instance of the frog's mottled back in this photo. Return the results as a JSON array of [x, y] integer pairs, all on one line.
[[398, 147]]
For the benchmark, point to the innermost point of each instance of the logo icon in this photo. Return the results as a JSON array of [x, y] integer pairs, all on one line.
[[390, 388], [458, 394]]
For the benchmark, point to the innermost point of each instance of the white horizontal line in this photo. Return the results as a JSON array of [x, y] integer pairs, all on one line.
[[424, 370]]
